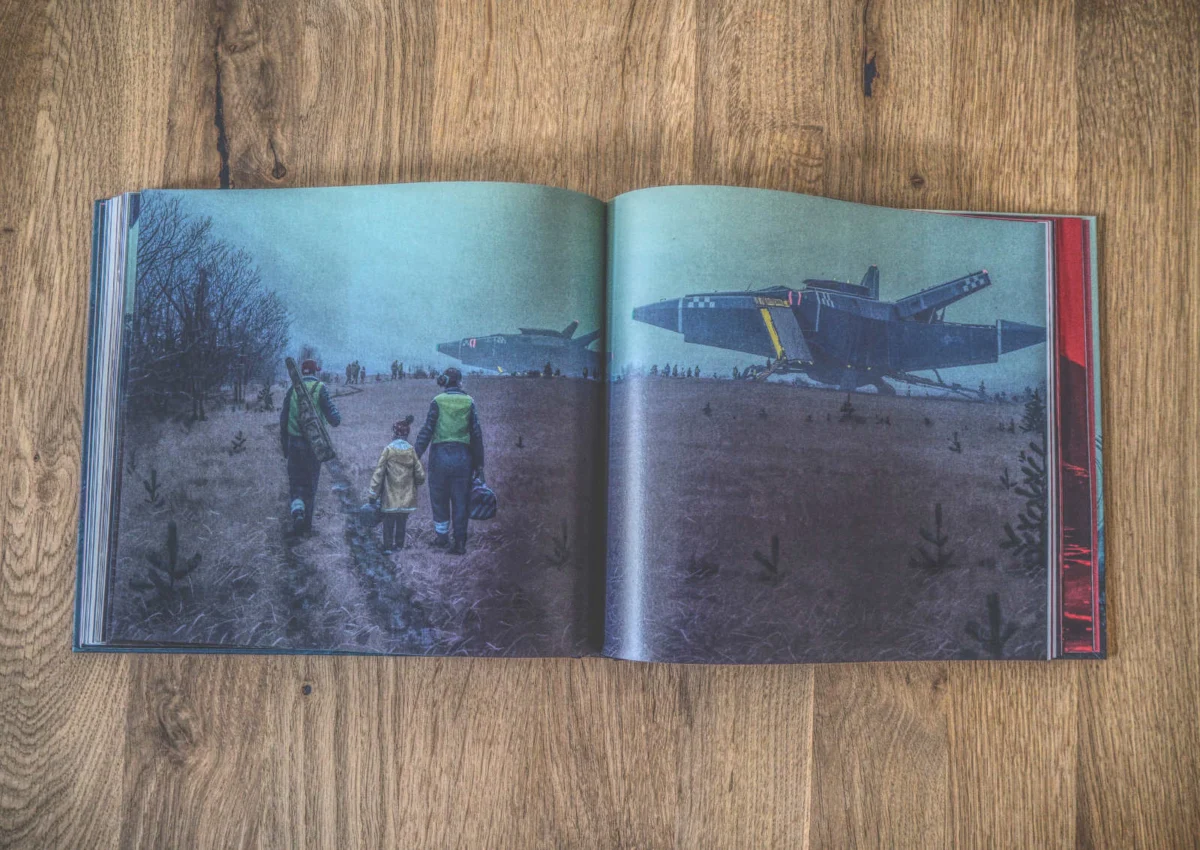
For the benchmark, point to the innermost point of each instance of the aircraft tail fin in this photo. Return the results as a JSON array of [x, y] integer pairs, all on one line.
[[587, 339], [870, 282], [569, 330]]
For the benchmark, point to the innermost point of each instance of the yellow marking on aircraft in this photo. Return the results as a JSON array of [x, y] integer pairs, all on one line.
[[766, 314]]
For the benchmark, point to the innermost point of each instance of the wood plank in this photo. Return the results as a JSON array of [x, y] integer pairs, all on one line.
[[760, 95], [1085, 106], [67, 137], [880, 756], [745, 775], [1014, 753], [893, 145], [1139, 735]]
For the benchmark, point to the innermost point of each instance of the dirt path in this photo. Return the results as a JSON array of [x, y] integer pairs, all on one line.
[[382, 613], [301, 589], [389, 604]]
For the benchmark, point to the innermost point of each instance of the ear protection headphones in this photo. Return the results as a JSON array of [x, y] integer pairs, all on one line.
[[442, 380]]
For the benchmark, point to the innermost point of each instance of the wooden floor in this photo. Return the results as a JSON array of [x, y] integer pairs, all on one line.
[[1036, 106]]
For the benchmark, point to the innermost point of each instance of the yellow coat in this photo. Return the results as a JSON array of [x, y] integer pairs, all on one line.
[[396, 477]]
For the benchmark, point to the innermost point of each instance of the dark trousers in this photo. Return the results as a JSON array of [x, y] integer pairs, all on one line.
[[450, 487], [394, 528], [304, 475]]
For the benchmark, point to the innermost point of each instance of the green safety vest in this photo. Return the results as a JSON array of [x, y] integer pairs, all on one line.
[[454, 415], [314, 389]]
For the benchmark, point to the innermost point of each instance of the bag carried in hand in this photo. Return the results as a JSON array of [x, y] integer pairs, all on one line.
[[482, 504], [370, 515]]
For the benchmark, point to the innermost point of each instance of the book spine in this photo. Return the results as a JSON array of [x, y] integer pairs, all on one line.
[[1077, 527]]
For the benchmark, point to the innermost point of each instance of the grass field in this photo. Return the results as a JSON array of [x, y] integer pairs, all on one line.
[[774, 528], [524, 587]]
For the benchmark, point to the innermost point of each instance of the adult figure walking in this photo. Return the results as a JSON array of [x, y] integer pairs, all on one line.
[[303, 468], [455, 439]]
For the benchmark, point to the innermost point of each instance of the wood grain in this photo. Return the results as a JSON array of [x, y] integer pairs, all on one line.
[[1086, 106]]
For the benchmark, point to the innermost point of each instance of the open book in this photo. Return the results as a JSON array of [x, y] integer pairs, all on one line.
[[694, 424]]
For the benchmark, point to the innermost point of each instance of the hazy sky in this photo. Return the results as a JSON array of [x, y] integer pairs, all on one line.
[[381, 272], [678, 240]]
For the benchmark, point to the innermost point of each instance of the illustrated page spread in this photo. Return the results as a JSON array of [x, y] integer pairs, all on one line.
[[825, 421], [423, 477]]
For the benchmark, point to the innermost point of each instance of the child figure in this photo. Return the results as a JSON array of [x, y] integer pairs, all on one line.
[[394, 485]]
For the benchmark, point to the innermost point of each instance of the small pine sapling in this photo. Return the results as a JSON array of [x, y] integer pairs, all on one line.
[[1033, 421], [151, 485], [707, 409], [238, 444], [560, 554], [998, 632], [955, 445], [166, 570], [940, 559], [1028, 540], [847, 410]]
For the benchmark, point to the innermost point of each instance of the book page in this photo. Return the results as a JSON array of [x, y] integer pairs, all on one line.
[[827, 431], [448, 339]]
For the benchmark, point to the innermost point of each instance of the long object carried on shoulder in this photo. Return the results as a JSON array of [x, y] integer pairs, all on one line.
[[311, 424]]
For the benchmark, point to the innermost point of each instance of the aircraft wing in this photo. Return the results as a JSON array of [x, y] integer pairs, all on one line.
[[913, 346]]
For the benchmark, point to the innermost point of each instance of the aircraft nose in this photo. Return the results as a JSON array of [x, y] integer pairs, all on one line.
[[663, 314], [1017, 335], [448, 348]]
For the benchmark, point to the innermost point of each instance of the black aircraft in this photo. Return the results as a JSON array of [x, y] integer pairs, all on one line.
[[527, 351], [841, 333]]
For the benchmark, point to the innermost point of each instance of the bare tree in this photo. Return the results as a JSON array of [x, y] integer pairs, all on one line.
[[201, 316]]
